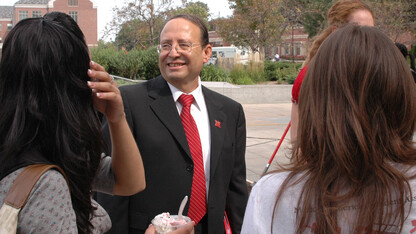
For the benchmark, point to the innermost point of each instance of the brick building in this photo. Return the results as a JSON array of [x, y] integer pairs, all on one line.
[[84, 12], [294, 43]]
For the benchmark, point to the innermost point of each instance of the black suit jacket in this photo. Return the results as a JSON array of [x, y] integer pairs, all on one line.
[[157, 128]]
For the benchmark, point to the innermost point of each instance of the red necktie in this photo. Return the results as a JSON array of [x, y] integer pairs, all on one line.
[[197, 204]]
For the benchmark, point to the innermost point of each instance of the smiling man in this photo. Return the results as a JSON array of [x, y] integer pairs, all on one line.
[[192, 140]]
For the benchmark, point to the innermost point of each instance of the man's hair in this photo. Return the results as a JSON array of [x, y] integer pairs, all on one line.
[[198, 22], [46, 106]]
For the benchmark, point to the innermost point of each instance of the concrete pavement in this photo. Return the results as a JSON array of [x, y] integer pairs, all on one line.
[[266, 124]]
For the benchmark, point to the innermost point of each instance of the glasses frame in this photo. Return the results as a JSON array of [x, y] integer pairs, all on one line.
[[177, 48]]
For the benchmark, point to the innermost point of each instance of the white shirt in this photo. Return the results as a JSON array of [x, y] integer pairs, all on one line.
[[200, 114], [260, 207]]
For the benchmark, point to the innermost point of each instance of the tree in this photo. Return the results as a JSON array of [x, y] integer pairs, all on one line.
[[314, 15], [395, 17], [256, 24], [137, 23], [198, 8]]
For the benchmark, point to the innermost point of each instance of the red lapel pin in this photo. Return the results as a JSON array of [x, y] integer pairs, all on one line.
[[217, 124]]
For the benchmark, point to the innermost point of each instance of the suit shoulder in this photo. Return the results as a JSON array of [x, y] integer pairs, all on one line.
[[133, 87]]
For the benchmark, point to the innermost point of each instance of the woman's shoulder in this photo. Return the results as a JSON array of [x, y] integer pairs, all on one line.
[[273, 178], [48, 208], [270, 183]]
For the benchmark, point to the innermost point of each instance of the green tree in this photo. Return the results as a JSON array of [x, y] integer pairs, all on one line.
[[256, 24], [395, 17], [198, 8], [311, 14], [137, 23]]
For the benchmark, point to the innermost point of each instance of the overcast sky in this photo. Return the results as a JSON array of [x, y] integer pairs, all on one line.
[[217, 8]]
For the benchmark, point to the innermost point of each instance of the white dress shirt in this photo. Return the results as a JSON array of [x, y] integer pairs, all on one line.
[[200, 114]]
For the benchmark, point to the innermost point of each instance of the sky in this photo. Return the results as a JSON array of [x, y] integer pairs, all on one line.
[[217, 8]]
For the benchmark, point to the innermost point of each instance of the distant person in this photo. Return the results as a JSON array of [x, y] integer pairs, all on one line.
[[340, 13], [192, 140], [276, 57], [48, 115], [354, 168], [403, 50]]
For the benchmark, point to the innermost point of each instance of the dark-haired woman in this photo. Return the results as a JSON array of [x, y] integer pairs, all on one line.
[[48, 115], [354, 167]]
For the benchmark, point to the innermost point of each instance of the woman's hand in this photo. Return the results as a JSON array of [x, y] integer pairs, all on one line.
[[126, 160], [106, 98]]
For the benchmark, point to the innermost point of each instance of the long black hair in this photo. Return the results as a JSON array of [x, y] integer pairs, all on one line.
[[46, 106]]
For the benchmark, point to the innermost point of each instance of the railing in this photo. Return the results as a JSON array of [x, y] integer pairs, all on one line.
[[127, 79]]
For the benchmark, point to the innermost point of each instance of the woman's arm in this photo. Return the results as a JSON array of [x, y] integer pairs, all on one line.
[[126, 162], [294, 118]]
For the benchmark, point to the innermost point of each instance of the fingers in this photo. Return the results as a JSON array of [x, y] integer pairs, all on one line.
[[150, 230], [96, 66], [186, 229], [98, 73], [104, 90]]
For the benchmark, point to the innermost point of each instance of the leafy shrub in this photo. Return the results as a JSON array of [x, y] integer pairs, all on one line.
[[256, 71], [134, 64], [148, 64], [282, 72], [104, 54], [239, 75], [143, 64], [214, 73]]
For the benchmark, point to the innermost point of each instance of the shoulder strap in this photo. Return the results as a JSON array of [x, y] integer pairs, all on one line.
[[24, 183]]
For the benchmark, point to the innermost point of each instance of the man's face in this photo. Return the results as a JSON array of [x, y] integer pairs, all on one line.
[[181, 68]]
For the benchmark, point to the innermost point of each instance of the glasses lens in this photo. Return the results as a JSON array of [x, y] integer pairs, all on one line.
[[185, 47], [163, 48]]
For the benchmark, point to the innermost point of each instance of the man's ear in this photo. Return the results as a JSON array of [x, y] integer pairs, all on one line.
[[207, 52]]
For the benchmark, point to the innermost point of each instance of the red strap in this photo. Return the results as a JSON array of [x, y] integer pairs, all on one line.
[[227, 224]]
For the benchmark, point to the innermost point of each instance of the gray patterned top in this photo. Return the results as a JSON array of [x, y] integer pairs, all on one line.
[[49, 207]]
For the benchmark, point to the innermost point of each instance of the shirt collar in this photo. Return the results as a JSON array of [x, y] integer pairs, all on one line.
[[197, 93]]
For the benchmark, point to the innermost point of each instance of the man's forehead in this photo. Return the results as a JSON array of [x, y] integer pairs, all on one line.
[[180, 29]]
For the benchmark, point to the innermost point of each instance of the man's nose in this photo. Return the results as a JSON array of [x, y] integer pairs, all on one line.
[[174, 51]]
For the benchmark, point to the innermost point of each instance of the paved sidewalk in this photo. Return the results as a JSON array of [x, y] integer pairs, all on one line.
[[266, 124]]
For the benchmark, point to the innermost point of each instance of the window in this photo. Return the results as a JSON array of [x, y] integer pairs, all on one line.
[[9, 27], [297, 49], [36, 14], [0, 27], [72, 2], [286, 49], [74, 15], [23, 15], [0, 39]]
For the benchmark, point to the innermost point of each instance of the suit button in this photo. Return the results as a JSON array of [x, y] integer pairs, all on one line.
[[190, 168]]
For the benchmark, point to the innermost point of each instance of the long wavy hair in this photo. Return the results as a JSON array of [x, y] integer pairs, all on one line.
[[338, 15], [46, 106], [356, 119]]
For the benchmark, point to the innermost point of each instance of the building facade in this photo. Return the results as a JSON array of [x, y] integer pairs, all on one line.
[[84, 12], [294, 44]]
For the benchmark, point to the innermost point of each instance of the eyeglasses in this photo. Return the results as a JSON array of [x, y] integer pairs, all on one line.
[[183, 47]]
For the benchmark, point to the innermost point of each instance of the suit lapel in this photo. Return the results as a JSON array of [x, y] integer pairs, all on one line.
[[165, 109], [217, 120]]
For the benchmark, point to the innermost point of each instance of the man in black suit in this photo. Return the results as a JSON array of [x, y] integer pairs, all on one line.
[[153, 113]]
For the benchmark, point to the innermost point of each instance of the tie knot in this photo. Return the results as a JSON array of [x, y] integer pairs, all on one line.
[[186, 100]]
